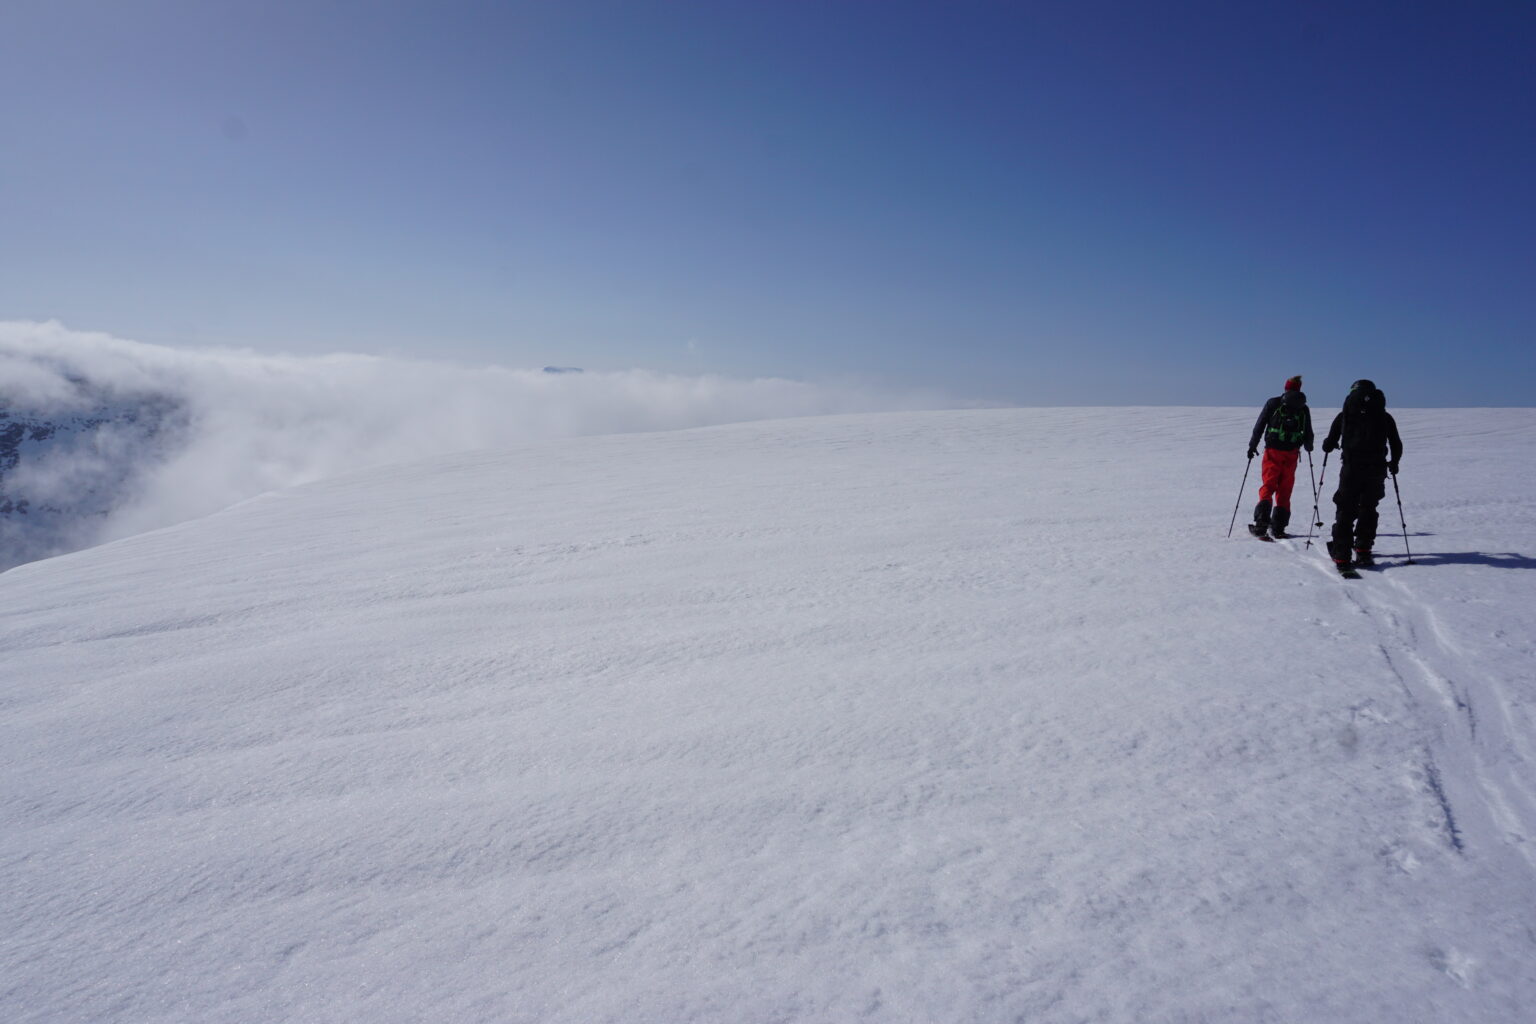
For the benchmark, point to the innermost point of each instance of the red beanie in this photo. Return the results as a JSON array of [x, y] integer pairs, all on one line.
[[1294, 384]]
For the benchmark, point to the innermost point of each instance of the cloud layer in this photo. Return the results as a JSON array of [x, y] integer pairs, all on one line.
[[230, 424]]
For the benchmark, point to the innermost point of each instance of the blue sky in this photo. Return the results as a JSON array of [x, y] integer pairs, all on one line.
[[1073, 203]]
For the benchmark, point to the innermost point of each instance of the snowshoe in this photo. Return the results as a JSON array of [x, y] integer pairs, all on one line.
[[1258, 531], [1345, 567]]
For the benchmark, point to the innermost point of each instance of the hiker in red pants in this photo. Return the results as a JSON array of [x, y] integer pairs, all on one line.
[[1286, 426]]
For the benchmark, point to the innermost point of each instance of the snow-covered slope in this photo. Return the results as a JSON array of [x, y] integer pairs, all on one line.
[[965, 716], [103, 438]]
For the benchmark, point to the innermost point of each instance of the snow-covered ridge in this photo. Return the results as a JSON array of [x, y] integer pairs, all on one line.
[[160, 435], [964, 716]]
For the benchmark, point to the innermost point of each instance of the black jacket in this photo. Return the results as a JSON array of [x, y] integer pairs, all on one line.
[[1269, 410]]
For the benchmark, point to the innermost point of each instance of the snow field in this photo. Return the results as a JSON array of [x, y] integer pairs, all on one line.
[[963, 716]]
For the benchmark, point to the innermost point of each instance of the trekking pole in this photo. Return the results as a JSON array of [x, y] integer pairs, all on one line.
[[1317, 495], [1314, 524], [1240, 491], [1401, 519]]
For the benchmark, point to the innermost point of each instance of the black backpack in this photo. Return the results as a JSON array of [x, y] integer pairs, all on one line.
[[1288, 423], [1364, 433]]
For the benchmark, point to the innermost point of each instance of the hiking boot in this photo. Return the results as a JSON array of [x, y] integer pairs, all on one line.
[[1277, 531], [1363, 557], [1337, 554], [1261, 515]]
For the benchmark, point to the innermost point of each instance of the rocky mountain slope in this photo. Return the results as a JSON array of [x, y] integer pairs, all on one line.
[[64, 469]]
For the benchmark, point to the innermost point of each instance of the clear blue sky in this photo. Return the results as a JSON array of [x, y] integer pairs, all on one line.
[[1043, 203]]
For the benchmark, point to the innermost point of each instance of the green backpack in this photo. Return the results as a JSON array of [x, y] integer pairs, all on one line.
[[1287, 426]]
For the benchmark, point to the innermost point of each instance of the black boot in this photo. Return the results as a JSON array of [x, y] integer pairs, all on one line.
[[1339, 555], [1261, 515], [1279, 520], [1363, 557]]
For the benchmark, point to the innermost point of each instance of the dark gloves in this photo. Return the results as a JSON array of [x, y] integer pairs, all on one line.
[[1392, 467], [1252, 452], [1309, 448], [1329, 446]]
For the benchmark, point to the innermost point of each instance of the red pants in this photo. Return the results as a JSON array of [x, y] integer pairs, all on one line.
[[1279, 476]]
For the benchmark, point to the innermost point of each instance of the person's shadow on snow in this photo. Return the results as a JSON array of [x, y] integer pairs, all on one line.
[[1497, 559]]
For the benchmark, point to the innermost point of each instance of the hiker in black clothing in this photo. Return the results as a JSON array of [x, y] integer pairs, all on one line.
[[1366, 435], [1285, 424]]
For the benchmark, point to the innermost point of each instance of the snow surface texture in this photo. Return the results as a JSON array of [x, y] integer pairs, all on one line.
[[967, 716], [157, 435]]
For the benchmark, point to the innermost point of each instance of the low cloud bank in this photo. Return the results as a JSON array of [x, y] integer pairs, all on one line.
[[145, 435]]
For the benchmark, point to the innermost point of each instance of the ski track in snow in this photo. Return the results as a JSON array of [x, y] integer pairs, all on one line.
[[1478, 743], [884, 718], [1428, 663], [1497, 759]]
